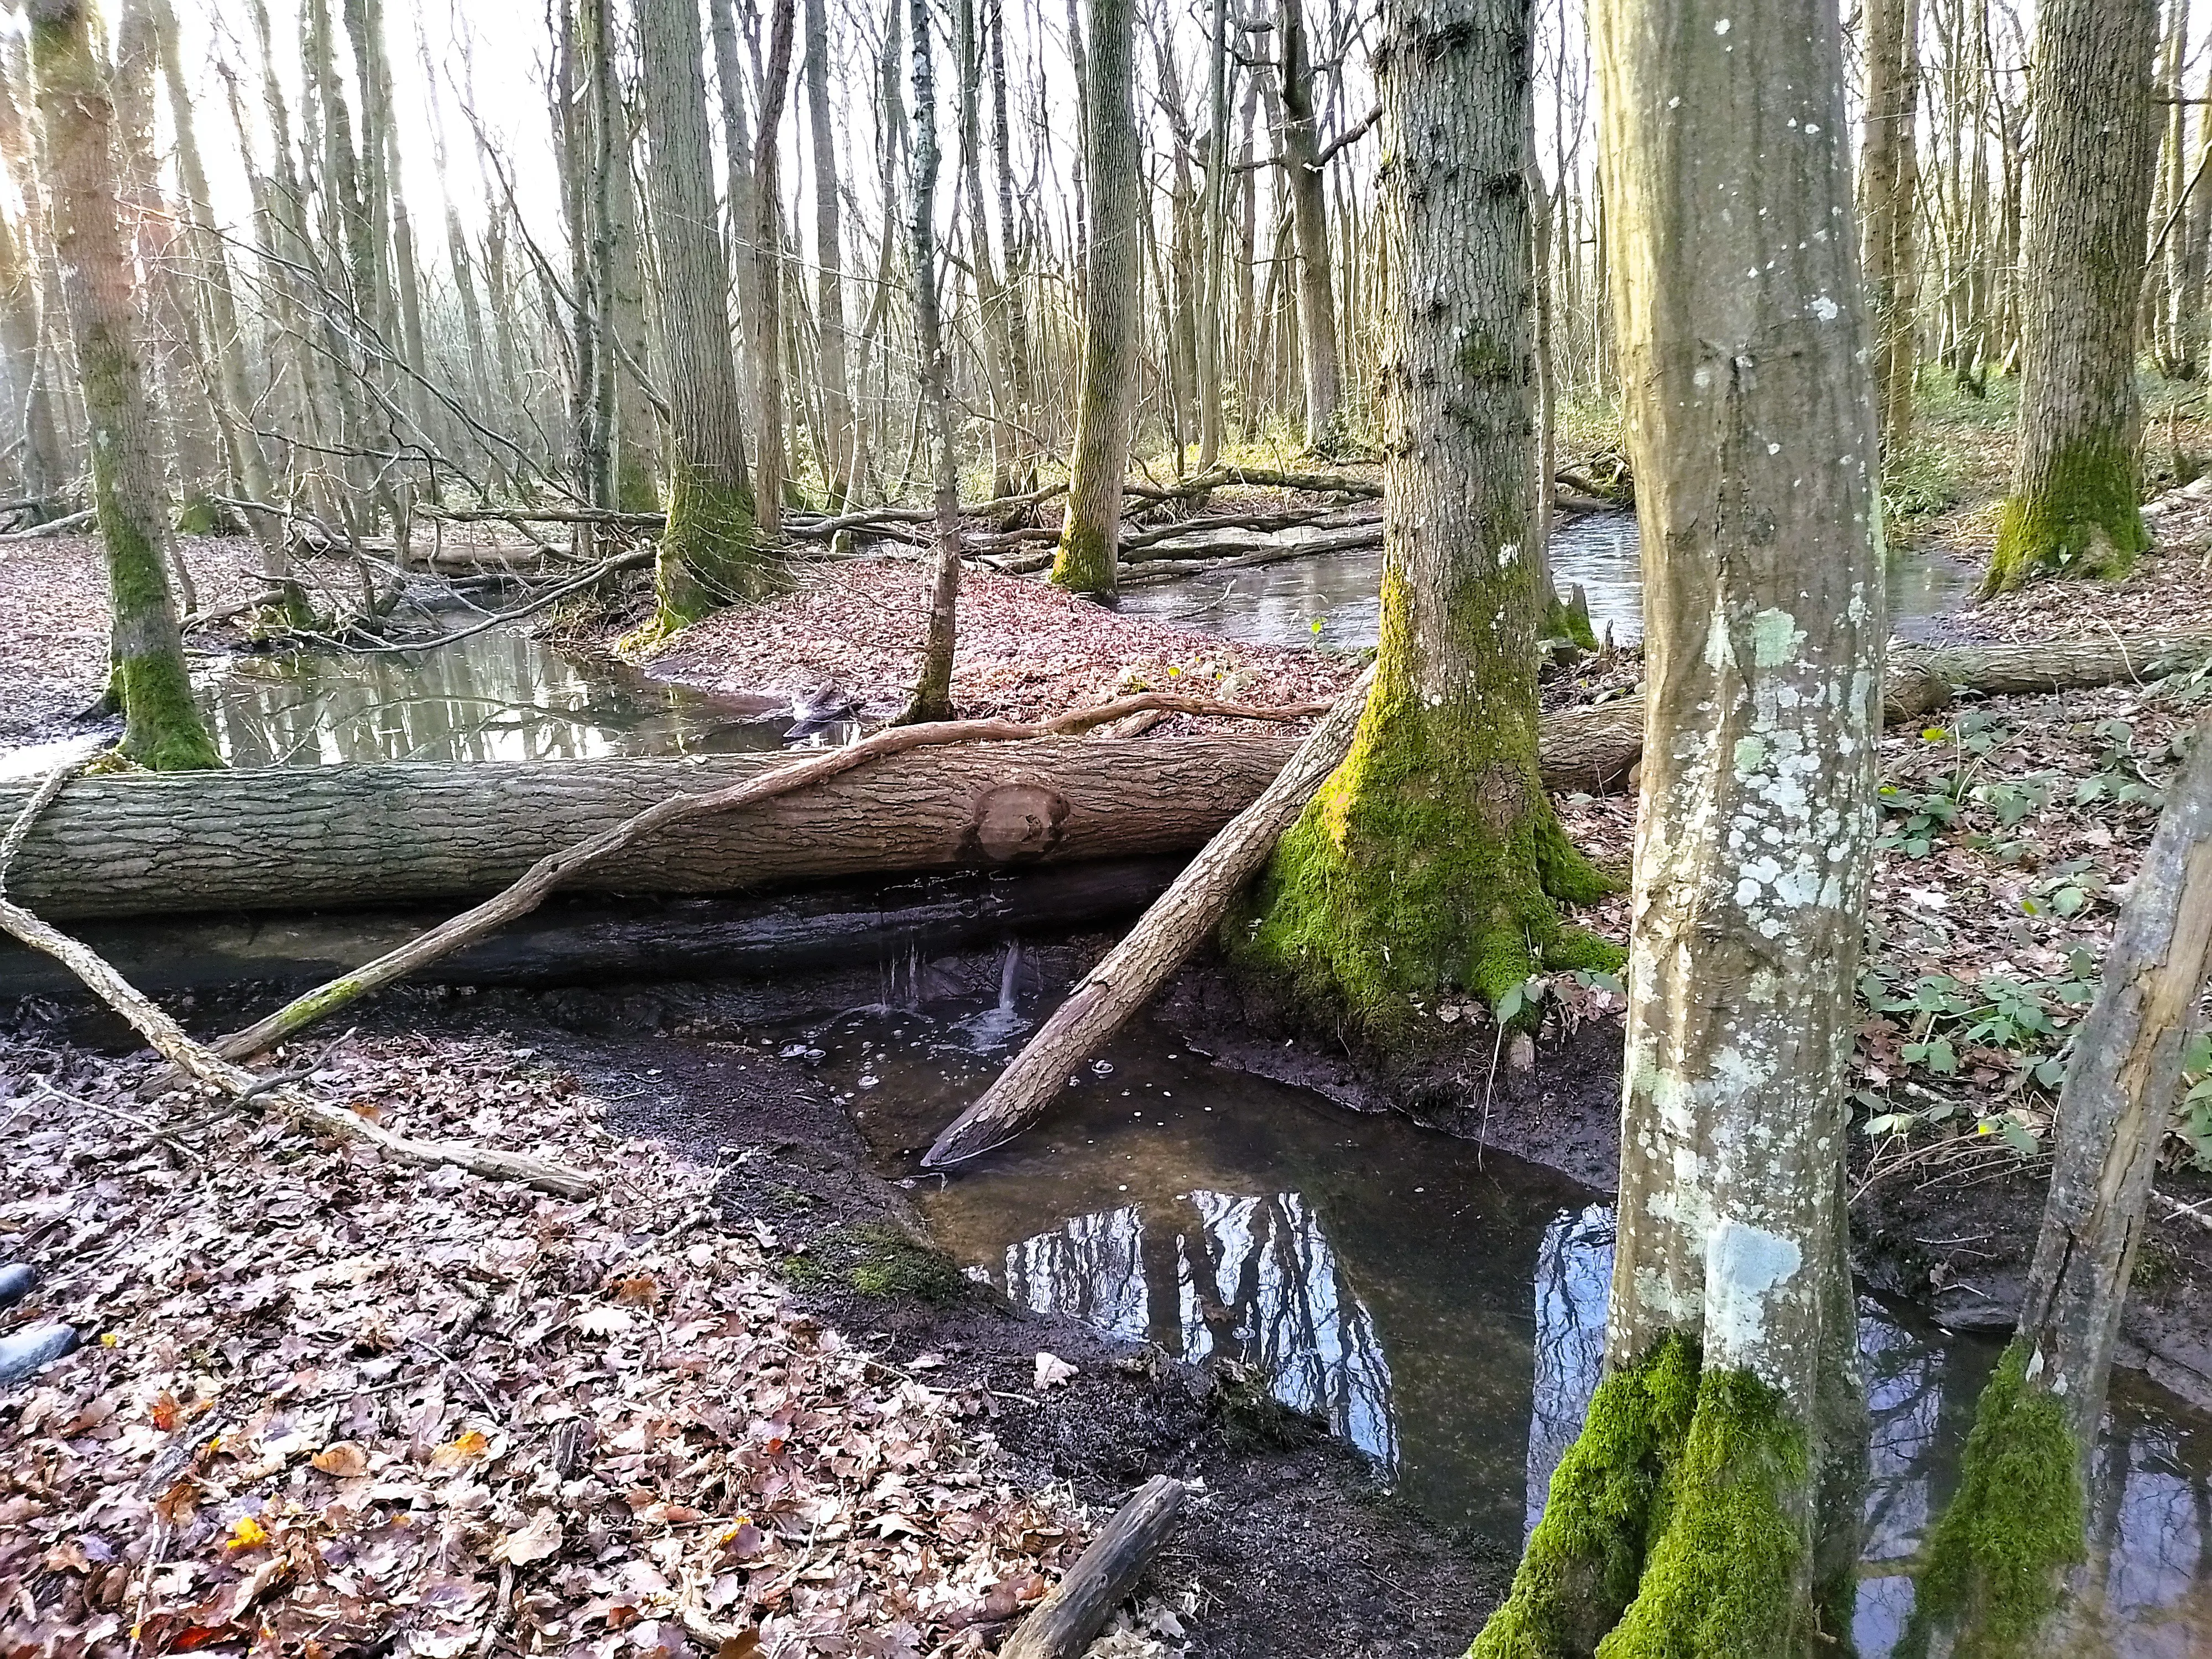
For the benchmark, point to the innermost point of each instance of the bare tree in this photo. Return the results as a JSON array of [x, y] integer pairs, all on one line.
[[932, 692]]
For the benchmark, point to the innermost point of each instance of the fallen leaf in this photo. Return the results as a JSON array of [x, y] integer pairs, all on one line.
[[343, 1458], [466, 1449], [166, 1412], [246, 1533], [533, 1542], [642, 1292], [745, 1644], [1052, 1371]]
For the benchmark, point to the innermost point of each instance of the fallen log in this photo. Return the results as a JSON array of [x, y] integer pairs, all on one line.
[[166, 1038], [1103, 1577], [1178, 920], [556, 869], [339, 836]]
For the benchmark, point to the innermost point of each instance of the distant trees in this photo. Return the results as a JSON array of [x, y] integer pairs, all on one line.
[[2075, 477], [162, 726]]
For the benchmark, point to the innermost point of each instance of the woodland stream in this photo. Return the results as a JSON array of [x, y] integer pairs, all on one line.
[[1441, 1308]]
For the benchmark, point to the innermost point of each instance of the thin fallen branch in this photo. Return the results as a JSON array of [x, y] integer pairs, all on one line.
[[67, 524], [166, 1038], [1063, 1624], [536, 883], [1191, 909]]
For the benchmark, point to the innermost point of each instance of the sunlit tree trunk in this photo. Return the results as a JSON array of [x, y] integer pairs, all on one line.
[[2076, 488], [766, 232], [707, 552], [637, 427], [1432, 857], [1012, 243], [1708, 1506], [932, 692], [1113, 307], [162, 727]]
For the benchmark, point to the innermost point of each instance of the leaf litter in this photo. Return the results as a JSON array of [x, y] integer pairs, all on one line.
[[327, 1406]]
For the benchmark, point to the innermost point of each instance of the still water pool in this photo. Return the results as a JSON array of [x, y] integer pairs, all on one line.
[[1441, 1308]]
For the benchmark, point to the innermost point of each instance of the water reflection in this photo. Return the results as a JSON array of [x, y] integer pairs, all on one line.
[[498, 696], [1281, 604], [1441, 1310]]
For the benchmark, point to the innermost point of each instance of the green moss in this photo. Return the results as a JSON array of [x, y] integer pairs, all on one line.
[[1431, 858], [162, 729], [708, 557], [1995, 1559], [1720, 1580], [1085, 563], [1608, 1501], [200, 516], [879, 1259], [1568, 619], [2083, 519]]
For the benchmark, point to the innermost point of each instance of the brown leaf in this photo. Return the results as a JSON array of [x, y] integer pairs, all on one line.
[[642, 1292], [343, 1458], [745, 1644], [166, 1412], [466, 1449], [533, 1542]]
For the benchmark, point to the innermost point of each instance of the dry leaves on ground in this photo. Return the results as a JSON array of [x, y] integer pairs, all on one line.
[[333, 1407]]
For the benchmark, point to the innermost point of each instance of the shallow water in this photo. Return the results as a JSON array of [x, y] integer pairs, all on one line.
[[1281, 604], [1442, 1308]]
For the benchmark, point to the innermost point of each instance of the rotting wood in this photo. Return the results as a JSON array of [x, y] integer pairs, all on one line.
[[1178, 921], [166, 1038], [1103, 1576], [555, 869]]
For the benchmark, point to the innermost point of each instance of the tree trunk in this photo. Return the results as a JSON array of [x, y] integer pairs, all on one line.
[[1709, 1505], [1994, 1560], [829, 257], [162, 729], [1307, 184], [1213, 226], [1889, 173], [1113, 306], [932, 690], [1431, 858], [708, 554], [1012, 244], [2075, 486], [766, 233]]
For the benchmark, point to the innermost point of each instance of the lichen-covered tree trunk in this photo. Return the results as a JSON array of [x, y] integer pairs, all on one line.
[[1113, 306], [1431, 856], [932, 692], [162, 728], [1307, 186], [2073, 505], [708, 556], [1992, 1584], [1698, 1512]]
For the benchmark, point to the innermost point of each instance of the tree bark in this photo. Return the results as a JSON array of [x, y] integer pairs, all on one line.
[[1889, 176], [766, 232], [1722, 1455], [1307, 183], [1103, 1577], [162, 726], [708, 557], [1432, 857], [932, 692], [2075, 490], [1993, 1578], [830, 370], [1113, 306]]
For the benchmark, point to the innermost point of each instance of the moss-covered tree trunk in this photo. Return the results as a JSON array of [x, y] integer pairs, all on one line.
[[2073, 505], [932, 692], [708, 557], [1707, 1507], [162, 727], [1431, 856], [1113, 306], [1993, 1581]]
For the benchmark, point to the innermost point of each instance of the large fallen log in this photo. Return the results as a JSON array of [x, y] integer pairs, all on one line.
[[337, 837]]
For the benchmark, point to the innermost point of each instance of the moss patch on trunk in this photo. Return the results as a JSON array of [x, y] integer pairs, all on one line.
[[1995, 1562], [2082, 519], [1668, 1533], [1084, 561], [708, 557]]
